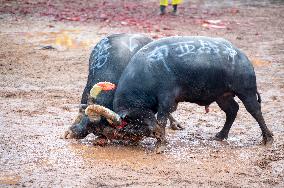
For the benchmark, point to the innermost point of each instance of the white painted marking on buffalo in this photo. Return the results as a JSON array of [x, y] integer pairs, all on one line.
[[100, 54], [159, 54]]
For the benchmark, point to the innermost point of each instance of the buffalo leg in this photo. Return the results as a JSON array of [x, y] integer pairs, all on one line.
[[230, 107], [159, 134], [254, 108], [171, 107], [166, 106]]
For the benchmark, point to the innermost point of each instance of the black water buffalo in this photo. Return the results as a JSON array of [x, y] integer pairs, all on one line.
[[107, 61], [194, 69]]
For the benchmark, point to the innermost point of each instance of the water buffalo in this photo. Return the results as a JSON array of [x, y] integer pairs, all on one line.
[[194, 69], [107, 62]]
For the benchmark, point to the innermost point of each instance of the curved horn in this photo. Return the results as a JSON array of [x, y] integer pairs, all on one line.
[[94, 110]]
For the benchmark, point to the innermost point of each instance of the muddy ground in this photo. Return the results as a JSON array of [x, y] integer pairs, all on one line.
[[40, 90]]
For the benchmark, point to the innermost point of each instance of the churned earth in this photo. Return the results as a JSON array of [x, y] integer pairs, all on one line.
[[44, 51]]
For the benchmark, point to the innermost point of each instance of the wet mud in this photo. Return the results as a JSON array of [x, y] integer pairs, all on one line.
[[40, 90]]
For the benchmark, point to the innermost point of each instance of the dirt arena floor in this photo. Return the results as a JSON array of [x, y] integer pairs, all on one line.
[[44, 54]]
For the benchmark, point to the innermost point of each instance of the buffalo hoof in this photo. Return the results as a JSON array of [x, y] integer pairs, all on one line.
[[160, 149], [220, 136], [161, 146], [176, 126], [267, 140], [100, 141]]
